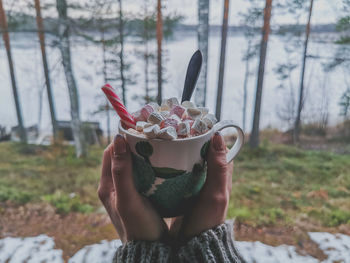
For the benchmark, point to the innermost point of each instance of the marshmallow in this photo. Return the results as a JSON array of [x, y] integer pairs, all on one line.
[[183, 129], [168, 104], [168, 133], [199, 127], [155, 118], [140, 125], [209, 120], [170, 122], [165, 114], [138, 116], [135, 132], [154, 105], [190, 122], [175, 117], [204, 110], [146, 111], [164, 106], [194, 113], [178, 110], [188, 104], [151, 132]]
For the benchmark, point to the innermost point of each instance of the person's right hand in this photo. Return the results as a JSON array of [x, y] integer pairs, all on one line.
[[132, 214], [210, 207]]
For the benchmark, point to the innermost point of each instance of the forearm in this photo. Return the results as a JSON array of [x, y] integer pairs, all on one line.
[[214, 245], [143, 252]]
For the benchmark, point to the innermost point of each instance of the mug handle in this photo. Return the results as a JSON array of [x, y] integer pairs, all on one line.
[[240, 138]]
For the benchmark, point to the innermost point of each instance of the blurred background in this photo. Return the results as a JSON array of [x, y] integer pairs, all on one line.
[[279, 69]]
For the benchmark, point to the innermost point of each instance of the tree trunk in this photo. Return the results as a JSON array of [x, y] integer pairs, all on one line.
[[64, 46], [121, 53], [245, 87], [222, 59], [203, 39], [146, 72], [159, 50], [6, 38], [41, 35], [301, 91], [254, 137], [146, 55], [105, 80]]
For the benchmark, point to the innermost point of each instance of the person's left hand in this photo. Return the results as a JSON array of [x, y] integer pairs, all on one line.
[[210, 208], [132, 214]]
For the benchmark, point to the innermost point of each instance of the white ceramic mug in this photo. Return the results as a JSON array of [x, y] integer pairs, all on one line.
[[171, 173], [182, 154]]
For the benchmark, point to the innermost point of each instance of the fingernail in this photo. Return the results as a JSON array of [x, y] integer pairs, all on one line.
[[119, 144], [217, 142]]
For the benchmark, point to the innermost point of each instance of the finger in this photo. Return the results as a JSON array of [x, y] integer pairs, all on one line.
[[229, 177], [122, 171], [217, 166], [106, 183], [175, 226]]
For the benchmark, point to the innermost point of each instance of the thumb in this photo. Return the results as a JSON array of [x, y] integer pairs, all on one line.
[[122, 171], [217, 165]]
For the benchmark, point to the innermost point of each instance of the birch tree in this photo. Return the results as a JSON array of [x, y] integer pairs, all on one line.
[[301, 91], [222, 59], [121, 52], [64, 47], [203, 40], [341, 60], [286, 108], [254, 136]]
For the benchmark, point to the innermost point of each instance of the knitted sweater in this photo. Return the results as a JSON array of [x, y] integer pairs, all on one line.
[[214, 245]]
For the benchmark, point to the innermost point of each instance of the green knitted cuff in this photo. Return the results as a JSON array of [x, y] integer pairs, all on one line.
[[143, 252], [214, 245]]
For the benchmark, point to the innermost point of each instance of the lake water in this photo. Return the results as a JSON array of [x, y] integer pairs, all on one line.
[[321, 88]]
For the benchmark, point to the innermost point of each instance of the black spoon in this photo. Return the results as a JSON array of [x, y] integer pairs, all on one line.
[[193, 69]]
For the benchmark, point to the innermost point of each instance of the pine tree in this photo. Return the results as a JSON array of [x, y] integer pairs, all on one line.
[[222, 59], [41, 35], [6, 38], [159, 50], [287, 102], [146, 32], [254, 136], [251, 19]]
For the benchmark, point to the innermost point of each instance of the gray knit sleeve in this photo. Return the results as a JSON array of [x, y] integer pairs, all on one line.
[[214, 245], [143, 252]]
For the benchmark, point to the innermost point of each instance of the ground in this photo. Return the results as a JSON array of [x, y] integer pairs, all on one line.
[[280, 192]]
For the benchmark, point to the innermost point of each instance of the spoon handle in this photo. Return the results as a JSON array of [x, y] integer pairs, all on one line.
[[193, 69]]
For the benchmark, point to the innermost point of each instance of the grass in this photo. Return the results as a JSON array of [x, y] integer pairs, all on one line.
[[279, 183], [273, 184], [31, 173]]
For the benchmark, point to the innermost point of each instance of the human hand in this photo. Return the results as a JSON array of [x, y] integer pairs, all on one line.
[[132, 214], [210, 207]]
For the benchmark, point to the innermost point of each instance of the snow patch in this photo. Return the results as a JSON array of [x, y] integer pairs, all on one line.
[[335, 246], [256, 252], [98, 253], [41, 249], [30, 249]]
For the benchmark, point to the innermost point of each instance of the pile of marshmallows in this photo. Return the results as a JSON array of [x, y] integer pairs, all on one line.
[[172, 120]]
